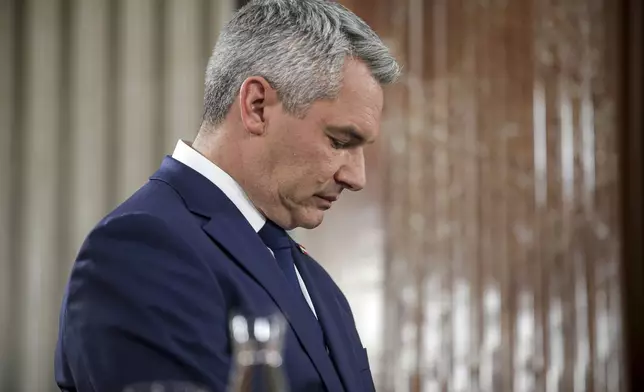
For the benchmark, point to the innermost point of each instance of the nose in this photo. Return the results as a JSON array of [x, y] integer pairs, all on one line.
[[352, 174]]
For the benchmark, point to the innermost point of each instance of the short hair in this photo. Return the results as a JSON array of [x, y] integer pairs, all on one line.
[[298, 46]]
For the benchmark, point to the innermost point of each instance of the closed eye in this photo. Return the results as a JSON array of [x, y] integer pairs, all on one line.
[[345, 137], [338, 144]]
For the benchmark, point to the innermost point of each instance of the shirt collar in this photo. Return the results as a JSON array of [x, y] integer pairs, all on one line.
[[190, 157]]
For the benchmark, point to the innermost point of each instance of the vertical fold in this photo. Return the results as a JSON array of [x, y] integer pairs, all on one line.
[[184, 72], [90, 153], [7, 134], [40, 190], [138, 86]]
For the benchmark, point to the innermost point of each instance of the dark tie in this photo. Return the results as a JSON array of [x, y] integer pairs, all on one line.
[[277, 240]]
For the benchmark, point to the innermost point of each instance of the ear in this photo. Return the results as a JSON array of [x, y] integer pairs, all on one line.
[[255, 96]]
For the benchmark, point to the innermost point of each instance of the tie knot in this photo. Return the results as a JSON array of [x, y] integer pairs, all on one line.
[[274, 237]]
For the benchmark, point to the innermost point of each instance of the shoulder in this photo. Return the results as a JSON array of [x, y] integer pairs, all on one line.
[[137, 260], [137, 286], [155, 209], [121, 225], [155, 198], [153, 225], [136, 242]]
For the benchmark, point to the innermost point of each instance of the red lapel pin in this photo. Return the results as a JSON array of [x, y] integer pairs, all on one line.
[[302, 249]]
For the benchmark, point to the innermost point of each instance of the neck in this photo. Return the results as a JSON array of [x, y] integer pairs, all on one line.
[[237, 157], [222, 148]]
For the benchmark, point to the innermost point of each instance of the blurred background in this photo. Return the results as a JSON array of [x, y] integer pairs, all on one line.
[[497, 247]]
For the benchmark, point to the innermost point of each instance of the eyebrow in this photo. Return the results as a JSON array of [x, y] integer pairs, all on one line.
[[351, 132]]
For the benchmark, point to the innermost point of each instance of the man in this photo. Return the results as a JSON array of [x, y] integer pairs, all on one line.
[[293, 94]]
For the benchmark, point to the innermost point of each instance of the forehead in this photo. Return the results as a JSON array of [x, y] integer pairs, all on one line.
[[359, 102]]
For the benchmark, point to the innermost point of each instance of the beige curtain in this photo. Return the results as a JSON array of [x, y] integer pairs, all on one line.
[[93, 94]]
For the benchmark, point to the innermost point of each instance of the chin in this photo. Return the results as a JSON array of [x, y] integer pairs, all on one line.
[[310, 220]]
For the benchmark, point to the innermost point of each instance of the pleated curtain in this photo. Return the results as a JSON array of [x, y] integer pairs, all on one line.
[[93, 94]]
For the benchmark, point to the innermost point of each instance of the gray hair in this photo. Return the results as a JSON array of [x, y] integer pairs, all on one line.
[[298, 46]]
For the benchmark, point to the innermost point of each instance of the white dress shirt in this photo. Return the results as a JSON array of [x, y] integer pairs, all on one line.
[[193, 159]]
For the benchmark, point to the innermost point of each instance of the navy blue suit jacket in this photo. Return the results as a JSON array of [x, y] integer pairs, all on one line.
[[152, 288]]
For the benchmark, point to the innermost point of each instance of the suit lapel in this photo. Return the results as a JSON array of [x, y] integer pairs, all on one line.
[[323, 298], [253, 256], [228, 228]]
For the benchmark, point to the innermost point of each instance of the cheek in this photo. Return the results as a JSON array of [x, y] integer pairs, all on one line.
[[321, 170], [322, 160], [308, 160], [311, 155], [311, 172]]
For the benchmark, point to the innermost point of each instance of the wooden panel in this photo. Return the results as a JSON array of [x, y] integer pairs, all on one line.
[[501, 269], [632, 187]]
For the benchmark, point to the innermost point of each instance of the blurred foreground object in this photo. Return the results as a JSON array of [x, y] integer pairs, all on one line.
[[165, 386], [258, 346]]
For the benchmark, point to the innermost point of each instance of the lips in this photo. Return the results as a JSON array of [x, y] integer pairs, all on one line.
[[329, 198], [325, 201]]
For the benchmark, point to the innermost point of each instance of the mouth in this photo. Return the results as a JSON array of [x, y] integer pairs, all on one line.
[[329, 198], [325, 201]]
